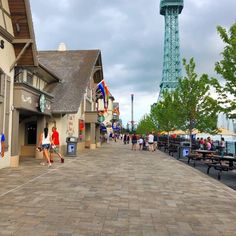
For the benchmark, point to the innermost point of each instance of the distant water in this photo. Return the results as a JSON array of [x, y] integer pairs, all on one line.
[[216, 137]]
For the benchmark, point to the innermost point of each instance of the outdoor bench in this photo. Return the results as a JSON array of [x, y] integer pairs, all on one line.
[[224, 163], [173, 149], [195, 157], [218, 165], [160, 145]]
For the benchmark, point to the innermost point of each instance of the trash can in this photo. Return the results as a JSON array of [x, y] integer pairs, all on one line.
[[71, 149], [184, 149]]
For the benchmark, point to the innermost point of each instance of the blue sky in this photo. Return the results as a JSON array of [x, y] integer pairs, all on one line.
[[130, 35]]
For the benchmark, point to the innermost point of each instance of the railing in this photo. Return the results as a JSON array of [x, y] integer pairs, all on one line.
[[174, 3]]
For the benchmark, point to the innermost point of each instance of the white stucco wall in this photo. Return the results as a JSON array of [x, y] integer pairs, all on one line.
[[109, 114], [67, 125], [8, 56]]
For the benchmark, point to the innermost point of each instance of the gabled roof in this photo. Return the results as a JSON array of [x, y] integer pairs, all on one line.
[[74, 69]]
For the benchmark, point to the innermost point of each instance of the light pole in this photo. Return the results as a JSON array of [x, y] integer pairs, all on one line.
[[132, 112]]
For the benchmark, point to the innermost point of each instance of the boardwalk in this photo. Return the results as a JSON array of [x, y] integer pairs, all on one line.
[[114, 191]]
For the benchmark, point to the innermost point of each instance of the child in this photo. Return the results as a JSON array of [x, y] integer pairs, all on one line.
[[140, 142]]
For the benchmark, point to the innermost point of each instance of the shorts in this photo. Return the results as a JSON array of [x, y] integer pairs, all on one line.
[[46, 146], [134, 141], [150, 143]]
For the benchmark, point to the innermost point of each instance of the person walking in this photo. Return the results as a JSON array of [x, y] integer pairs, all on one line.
[[128, 138], [155, 139], [150, 142], [125, 139], [55, 145], [140, 142], [2, 145], [134, 140], [45, 142]]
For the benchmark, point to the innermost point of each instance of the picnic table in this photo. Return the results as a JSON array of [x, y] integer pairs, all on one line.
[[199, 155], [205, 152], [221, 163]]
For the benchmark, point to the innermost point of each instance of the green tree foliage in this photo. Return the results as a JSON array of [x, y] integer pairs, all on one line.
[[227, 69], [164, 113], [194, 106], [146, 125]]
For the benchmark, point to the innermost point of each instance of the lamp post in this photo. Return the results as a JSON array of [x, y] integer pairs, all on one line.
[[132, 112]]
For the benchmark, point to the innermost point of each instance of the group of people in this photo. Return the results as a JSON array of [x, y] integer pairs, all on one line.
[[141, 142], [207, 144], [49, 145], [126, 138]]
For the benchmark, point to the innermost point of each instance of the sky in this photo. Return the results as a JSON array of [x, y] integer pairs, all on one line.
[[130, 35]]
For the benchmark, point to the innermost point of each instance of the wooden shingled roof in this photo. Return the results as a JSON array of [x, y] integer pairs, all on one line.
[[74, 68]]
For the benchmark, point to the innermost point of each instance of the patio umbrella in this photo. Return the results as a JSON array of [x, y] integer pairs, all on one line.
[[178, 132], [226, 132]]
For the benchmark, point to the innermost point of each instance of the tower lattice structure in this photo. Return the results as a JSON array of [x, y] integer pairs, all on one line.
[[171, 71]]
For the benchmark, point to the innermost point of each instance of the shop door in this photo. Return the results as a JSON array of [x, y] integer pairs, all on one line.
[[31, 133]]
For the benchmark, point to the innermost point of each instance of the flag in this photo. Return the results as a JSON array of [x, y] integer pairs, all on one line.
[[105, 93]]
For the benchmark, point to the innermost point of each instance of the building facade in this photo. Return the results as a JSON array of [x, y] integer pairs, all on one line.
[[43, 89], [74, 108], [7, 58]]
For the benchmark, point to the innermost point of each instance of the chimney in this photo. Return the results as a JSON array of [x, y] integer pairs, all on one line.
[[62, 47]]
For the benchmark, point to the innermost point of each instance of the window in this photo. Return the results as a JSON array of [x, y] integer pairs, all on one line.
[[29, 78], [18, 78]]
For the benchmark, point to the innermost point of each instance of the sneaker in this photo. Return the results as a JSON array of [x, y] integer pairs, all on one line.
[[49, 165], [42, 163], [51, 161], [62, 160]]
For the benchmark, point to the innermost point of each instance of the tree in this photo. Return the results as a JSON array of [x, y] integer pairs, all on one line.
[[146, 125], [227, 69], [164, 113], [195, 108]]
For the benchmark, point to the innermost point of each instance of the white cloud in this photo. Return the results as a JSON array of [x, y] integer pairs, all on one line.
[[131, 35]]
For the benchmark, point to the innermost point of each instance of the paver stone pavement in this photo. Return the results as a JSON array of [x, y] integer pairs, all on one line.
[[114, 191]]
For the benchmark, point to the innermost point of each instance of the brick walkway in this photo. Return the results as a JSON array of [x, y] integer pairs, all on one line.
[[114, 191]]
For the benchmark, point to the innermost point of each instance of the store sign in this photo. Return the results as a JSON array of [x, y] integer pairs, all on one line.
[[101, 119], [70, 125], [42, 103], [1, 44]]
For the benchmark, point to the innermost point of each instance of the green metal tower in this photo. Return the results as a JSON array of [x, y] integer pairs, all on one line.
[[171, 64]]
